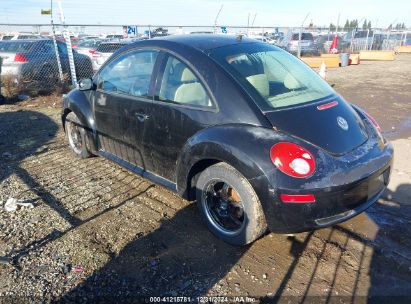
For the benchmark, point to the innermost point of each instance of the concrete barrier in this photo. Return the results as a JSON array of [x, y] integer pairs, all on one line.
[[354, 59], [403, 49], [377, 55], [315, 62]]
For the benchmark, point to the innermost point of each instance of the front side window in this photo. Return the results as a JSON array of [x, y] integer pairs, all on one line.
[[281, 79], [128, 74], [180, 85]]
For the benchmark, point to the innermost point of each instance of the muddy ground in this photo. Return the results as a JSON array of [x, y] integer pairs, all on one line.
[[99, 232]]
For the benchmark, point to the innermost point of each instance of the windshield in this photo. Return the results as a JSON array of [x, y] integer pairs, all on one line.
[[278, 78]]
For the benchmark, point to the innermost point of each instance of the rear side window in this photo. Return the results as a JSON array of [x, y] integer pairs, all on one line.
[[44, 47], [180, 85], [129, 73]]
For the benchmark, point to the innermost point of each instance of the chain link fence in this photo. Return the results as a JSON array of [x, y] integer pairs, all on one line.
[[40, 58]]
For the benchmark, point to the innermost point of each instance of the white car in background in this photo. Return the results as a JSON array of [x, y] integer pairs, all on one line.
[[88, 47], [104, 51]]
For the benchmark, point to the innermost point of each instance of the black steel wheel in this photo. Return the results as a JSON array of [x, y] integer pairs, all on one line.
[[229, 205]]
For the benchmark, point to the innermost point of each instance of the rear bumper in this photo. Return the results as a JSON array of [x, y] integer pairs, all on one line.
[[333, 204], [11, 71]]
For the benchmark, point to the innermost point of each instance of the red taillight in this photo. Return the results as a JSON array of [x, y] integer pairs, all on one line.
[[20, 58], [292, 159], [297, 198], [373, 121], [92, 51]]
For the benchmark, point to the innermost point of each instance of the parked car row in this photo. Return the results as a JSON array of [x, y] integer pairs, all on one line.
[[33, 62], [29, 57], [314, 44]]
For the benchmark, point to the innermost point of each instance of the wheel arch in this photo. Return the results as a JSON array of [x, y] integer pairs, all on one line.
[[78, 103], [196, 158]]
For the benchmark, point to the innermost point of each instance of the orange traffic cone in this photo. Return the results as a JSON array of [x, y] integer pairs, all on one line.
[[323, 71], [334, 46]]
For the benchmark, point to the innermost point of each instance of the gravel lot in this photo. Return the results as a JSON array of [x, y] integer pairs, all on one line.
[[98, 231]]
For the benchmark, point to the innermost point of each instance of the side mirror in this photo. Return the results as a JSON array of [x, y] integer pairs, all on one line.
[[85, 84]]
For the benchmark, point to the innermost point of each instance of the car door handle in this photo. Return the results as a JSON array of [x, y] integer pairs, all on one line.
[[142, 117]]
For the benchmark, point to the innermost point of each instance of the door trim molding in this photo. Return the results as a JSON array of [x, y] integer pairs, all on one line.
[[143, 173]]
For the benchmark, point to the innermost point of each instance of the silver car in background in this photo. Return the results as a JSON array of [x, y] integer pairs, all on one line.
[[307, 44], [33, 63]]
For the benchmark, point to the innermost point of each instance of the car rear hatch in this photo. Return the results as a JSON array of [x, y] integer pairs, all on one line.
[[332, 124]]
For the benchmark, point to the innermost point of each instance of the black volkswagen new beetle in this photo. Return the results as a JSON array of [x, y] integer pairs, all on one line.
[[250, 132]]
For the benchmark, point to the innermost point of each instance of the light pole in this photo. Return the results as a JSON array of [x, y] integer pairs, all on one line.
[[216, 18], [299, 36]]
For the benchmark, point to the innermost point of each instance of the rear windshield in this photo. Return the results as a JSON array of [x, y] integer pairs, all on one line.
[[275, 77], [304, 36], [7, 37], [109, 47], [15, 46], [115, 36], [27, 37]]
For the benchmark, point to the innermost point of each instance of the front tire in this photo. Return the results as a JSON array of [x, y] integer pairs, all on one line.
[[76, 136], [229, 205]]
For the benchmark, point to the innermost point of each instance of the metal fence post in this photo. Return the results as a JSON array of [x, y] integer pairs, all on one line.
[[299, 42], [366, 39], [56, 50], [352, 40], [372, 39], [67, 39]]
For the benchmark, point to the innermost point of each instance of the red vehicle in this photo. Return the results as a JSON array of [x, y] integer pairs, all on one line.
[[74, 40]]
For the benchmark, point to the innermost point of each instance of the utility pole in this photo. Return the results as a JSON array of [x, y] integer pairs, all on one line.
[[252, 24], [248, 23], [338, 23], [66, 36], [299, 36], [255, 15], [216, 18], [56, 50]]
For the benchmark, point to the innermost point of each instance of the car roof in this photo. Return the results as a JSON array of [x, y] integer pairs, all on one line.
[[27, 40], [205, 42], [115, 42]]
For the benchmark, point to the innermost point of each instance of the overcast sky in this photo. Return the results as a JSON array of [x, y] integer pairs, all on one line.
[[203, 12]]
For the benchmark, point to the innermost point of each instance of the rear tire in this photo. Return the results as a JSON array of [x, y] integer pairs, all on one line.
[[76, 136], [229, 205]]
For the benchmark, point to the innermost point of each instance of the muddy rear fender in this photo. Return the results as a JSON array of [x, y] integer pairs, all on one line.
[[244, 147]]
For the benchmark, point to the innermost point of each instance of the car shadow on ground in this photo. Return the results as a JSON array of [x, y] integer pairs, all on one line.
[[182, 258], [22, 134]]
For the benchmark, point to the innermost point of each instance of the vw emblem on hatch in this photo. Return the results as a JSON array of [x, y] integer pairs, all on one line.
[[342, 123]]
